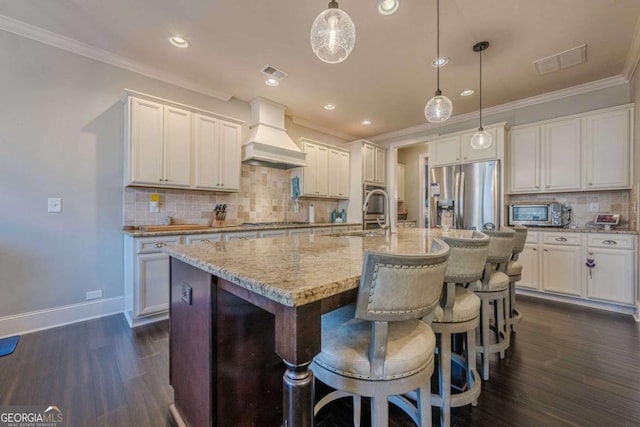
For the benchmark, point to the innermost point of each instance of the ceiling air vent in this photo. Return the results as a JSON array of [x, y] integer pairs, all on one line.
[[273, 72], [568, 58]]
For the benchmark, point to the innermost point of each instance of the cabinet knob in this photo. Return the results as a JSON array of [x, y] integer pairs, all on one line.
[[204, 241], [561, 239], [590, 183], [160, 244], [609, 242], [590, 253], [535, 249], [222, 185]]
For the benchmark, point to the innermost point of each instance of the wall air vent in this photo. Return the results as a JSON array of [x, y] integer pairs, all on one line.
[[559, 61], [273, 72]]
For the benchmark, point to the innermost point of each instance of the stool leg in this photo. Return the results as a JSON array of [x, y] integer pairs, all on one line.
[[500, 323], [512, 300], [445, 379], [379, 411], [357, 410], [424, 404], [471, 360], [484, 337]]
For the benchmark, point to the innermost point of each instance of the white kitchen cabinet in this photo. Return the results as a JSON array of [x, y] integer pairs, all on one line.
[[146, 279], [590, 151], [400, 182], [272, 233], [241, 235], [299, 231], [470, 154], [374, 160], [217, 152], [457, 149], [530, 260], [561, 265], [202, 238], [158, 140], [613, 275], [444, 151], [608, 150], [339, 176], [327, 172]]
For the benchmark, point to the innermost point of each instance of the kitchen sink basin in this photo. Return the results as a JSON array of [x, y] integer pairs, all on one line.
[[359, 233]]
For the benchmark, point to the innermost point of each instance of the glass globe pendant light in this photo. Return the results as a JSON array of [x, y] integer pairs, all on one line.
[[482, 138], [439, 108], [333, 34]]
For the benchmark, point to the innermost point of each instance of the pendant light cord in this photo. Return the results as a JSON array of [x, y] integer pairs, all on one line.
[[481, 90], [438, 92]]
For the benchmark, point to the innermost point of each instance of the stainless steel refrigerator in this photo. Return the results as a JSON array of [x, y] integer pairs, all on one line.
[[465, 196]]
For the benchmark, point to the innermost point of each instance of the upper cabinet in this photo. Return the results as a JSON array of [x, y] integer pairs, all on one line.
[[457, 149], [327, 171], [374, 160], [587, 152], [176, 146], [217, 154]]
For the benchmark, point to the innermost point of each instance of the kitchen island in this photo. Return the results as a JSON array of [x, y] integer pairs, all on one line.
[[244, 312]]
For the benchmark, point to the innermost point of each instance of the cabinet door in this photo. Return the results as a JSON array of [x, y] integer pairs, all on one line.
[[230, 153], [524, 160], [146, 136], [444, 151], [530, 260], [608, 150], [338, 174], [562, 269], [381, 166], [206, 132], [400, 182], [562, 148], [470, 154], [316, 173], [177, 147], [152, 277], [368, 163], [612, 278]]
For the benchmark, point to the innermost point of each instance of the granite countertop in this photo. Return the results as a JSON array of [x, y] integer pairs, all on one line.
[[136, 232], [297, 270], [583, 230]]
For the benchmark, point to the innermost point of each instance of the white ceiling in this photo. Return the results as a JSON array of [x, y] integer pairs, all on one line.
[[387, 78]]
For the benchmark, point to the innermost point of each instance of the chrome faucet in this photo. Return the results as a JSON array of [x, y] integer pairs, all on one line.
[[387, 208]]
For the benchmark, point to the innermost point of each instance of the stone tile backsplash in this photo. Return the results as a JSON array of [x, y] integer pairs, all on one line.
[[619, 201], [265, 195]]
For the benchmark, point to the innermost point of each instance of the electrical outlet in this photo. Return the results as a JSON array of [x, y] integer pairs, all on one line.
[[594, 207], [94, 294], [54, 204]]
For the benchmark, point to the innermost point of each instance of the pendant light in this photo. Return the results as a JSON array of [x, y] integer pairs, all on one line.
[[439, 108], [482, 138], [333, 34]]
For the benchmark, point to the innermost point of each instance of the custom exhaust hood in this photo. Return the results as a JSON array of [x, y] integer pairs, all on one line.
[[268, 144]]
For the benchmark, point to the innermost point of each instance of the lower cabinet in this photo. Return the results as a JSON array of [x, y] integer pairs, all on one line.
[[596, 269]]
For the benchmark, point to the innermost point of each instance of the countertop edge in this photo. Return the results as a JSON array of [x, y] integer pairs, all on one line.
[[232, 229]]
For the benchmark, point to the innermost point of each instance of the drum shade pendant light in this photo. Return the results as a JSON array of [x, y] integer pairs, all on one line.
[[482, 138], [333, 34], [439, 108]]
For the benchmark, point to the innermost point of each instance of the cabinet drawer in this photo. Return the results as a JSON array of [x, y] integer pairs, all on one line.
[[533, 236], [611, 241], [571, 239], [203, 238], [147, 245]]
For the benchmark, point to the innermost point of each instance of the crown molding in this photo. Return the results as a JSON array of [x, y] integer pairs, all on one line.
[[633, 57], [521, 103], [310, 125], [56, 40]]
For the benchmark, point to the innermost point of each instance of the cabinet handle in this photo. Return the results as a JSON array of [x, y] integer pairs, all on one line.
[[160, 180], [561, 239], [222, 185], [546, 250], [160, 244], [205, 241], [535, 249], [589, 183], [590, 252], [609, 242]]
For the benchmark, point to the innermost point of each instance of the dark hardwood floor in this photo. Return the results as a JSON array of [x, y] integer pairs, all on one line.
[[567, 366]]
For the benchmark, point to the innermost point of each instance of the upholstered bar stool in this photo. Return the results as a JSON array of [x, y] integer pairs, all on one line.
[[493, 291], [514, 271], [380, 346], [459, 313]]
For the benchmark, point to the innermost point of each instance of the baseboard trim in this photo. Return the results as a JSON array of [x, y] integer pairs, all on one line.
[[23, 323], [601, 305]]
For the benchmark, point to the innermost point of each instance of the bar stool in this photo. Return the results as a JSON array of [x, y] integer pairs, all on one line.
[[494, 292], [380, 347], [514, 271], [459, 313]]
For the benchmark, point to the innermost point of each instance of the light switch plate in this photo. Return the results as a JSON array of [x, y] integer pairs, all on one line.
[[54, 204], [594, 207], [185, 294]]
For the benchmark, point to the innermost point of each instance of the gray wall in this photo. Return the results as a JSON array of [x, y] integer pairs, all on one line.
[[410, 157]]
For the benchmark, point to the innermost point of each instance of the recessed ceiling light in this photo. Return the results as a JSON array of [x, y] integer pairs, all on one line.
[[467, 92], [329, 107], [178, 41], [272, 82], [440, 62], [366, 122], [388, 7]]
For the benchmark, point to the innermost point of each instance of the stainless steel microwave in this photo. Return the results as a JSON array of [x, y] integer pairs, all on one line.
[[544, 214]]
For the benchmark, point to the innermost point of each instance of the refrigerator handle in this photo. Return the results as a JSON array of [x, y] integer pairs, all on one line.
[[456, 193], [461, 201]]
